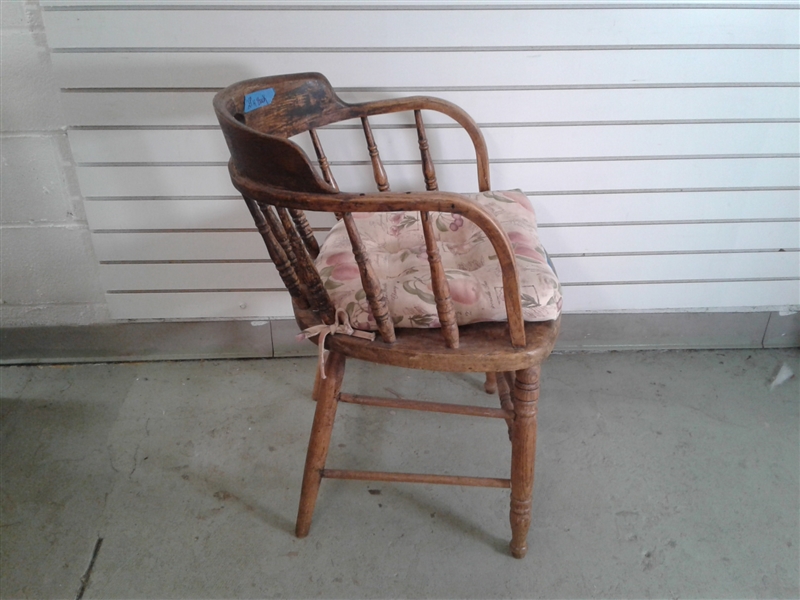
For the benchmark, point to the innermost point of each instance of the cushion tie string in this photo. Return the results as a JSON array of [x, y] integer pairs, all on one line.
[[342, 326]]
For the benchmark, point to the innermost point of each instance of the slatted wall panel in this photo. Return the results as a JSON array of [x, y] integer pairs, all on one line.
[[659, 142]]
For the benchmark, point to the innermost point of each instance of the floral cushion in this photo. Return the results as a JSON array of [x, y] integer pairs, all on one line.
[[396, 248]]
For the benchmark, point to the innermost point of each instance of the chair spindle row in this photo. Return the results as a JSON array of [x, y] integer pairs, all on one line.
[[291, 257], [370, 282]]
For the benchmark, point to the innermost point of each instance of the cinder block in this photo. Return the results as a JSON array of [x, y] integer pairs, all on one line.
[[29, 96], [135, 341], [48, 265], [12, 15], [33, 187]]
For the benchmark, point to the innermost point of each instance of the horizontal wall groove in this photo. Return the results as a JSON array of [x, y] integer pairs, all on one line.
[[216, 261], [788, 188], [563, 284], [675, 281], [196, 291], [426, 49], [671, 222], [527, 193], [673, 253], [168, 231], [533, 160], [492, 125], [470, 88], [158, 198], [541, 226], [463, 5], [223, 261], [520, 124]]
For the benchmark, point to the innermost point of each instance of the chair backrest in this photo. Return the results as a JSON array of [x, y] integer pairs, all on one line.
[[276, 178]]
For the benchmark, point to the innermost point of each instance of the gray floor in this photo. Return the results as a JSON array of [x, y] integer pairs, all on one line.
[[659, 475]]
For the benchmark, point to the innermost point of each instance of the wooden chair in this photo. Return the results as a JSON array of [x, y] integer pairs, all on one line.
[[279, 182]]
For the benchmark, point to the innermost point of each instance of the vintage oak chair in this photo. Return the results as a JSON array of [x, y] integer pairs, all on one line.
[[419, 268]]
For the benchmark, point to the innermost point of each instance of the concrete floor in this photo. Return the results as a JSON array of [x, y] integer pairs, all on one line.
[[659, 475]]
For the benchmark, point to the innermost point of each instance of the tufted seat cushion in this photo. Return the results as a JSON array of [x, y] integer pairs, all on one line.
[[396, 248]]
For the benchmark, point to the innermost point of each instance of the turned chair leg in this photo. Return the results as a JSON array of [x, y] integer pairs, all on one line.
[[490, 386], [523, 455], [505, 381], [327, 398], [317, 384]]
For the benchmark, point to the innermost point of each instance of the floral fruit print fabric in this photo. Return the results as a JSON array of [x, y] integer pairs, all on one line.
[[396, 248]]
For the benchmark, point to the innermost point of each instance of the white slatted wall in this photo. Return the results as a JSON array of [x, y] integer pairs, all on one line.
[[659, 143]]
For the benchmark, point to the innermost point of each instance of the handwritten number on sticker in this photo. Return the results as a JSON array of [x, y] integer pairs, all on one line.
[[258, 99]]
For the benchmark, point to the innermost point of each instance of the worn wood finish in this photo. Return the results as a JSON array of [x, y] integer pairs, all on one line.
[[439, 285], [482, 347], [282, 236], [370, 282], [523, 456], [416, 478], [490, 385], [427, 406], [504, 386], [303, 227], [320, 440], [324, 166], [428, 170], [378, 171], [277, 254], [271, 171], [317, 294]]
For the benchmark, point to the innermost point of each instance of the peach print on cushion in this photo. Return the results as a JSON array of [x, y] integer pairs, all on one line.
[[396, 248]]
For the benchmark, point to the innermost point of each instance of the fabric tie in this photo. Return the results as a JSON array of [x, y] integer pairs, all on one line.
[[340, 325]]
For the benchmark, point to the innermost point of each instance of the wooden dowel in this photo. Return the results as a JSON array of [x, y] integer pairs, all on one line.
[[377, 166], [417, 478], [441, 289], [300, 221], [280, 234], [370, 282], [323, 160], [453, 409], [428, 170], [505, 383]]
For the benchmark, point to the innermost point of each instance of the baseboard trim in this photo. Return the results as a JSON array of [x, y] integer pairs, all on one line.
[[125, 342]]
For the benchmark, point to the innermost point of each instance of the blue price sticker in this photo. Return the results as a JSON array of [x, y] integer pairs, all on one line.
[[258, 99]]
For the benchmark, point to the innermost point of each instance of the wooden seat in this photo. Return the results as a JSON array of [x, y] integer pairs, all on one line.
[[279, 183]]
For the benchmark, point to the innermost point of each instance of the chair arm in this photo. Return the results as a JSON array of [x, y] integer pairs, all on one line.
[[434, 201]]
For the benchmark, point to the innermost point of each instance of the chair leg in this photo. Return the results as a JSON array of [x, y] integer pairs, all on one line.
[[327, 399], [523, 455], [317, 385], [505, 382], [490, 386]]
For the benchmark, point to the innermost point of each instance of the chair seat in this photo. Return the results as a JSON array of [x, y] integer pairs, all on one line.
[[396, 248], [482, 346]]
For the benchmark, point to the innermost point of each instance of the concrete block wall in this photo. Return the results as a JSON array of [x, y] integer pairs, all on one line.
[[48, 274]]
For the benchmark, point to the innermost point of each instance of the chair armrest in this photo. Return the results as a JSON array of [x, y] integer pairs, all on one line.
[[434, 201]]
